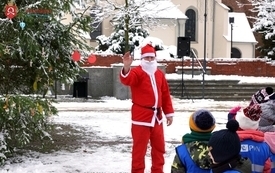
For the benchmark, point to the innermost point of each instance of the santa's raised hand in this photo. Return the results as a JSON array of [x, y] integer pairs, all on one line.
[[127, 61]]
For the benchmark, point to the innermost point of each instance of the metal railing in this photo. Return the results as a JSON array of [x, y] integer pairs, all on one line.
[[200, 65]]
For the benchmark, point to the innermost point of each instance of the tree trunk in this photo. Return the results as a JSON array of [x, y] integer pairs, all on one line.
[[126, 29]]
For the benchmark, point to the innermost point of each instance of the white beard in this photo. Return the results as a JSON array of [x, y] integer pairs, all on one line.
[[149, 67]]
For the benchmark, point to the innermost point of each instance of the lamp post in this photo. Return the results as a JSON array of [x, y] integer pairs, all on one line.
[[204, 48], [231, 21]]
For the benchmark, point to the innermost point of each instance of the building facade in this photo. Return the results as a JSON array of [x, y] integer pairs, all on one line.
[[208, 26], [245, 6]]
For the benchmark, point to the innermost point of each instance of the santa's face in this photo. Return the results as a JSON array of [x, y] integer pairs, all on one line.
[[149, 58], [149, 64]]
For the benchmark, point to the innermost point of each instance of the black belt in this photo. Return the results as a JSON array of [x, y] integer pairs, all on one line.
[[152, 108]]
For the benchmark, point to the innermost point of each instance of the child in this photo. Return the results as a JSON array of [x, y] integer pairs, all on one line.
[[252, 140], [259, 96], [192, 155], [224, 151]]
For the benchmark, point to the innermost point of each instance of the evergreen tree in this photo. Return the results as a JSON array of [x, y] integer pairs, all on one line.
[[268, 47], [264, 24], [116, 41], [35, 50], [126, 16]]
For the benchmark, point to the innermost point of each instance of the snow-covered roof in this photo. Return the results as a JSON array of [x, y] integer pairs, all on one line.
[[242, 31], [164, 9], [223, 6]]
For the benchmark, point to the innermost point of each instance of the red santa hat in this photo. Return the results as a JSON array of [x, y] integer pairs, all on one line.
[[250, 118], [148, 50]]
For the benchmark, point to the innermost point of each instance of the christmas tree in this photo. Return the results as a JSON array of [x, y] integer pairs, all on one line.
[[35, 50]]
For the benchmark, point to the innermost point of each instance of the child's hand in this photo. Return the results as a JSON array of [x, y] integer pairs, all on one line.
[[235, 110]]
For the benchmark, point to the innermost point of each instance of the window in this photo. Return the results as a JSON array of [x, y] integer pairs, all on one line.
[[190, 25], [236, 53], [96, 30], [96, 26]]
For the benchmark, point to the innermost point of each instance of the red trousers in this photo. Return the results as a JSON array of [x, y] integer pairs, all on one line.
[[141, 136]]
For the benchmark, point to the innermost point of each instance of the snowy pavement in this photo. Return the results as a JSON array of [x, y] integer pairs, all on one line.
[[105, 124]]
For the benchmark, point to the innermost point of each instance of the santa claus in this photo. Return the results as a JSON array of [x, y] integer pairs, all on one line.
[[151, 98]]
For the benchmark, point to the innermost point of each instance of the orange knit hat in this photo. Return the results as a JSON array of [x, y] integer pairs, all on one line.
[[202, 121]]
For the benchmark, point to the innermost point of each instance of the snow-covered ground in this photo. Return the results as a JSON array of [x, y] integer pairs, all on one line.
[[106, 124]]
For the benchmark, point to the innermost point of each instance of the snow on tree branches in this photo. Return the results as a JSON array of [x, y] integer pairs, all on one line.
[[131, 14], [32, 58]]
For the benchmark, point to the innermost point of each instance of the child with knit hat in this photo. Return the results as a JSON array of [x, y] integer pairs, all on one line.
[[192, 154], [224, 151], [260, 95], [252, 140]]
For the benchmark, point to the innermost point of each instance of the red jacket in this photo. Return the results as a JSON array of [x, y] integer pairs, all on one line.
[[145, 96]]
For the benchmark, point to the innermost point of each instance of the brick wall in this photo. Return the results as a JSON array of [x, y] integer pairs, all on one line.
[[242, 67]]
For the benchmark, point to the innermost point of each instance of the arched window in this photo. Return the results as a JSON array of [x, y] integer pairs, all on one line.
[[96, 30], [96, 26], [236, 53], [190, 25]]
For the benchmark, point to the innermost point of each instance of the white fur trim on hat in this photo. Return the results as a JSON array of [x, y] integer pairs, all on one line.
[[246, 123], [151, 54], [270, 97]]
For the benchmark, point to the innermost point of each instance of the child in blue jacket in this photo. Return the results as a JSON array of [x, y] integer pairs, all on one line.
[[192, 154]]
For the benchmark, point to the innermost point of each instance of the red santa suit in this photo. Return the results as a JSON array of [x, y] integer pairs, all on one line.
[[150, 97], [148, 92]]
